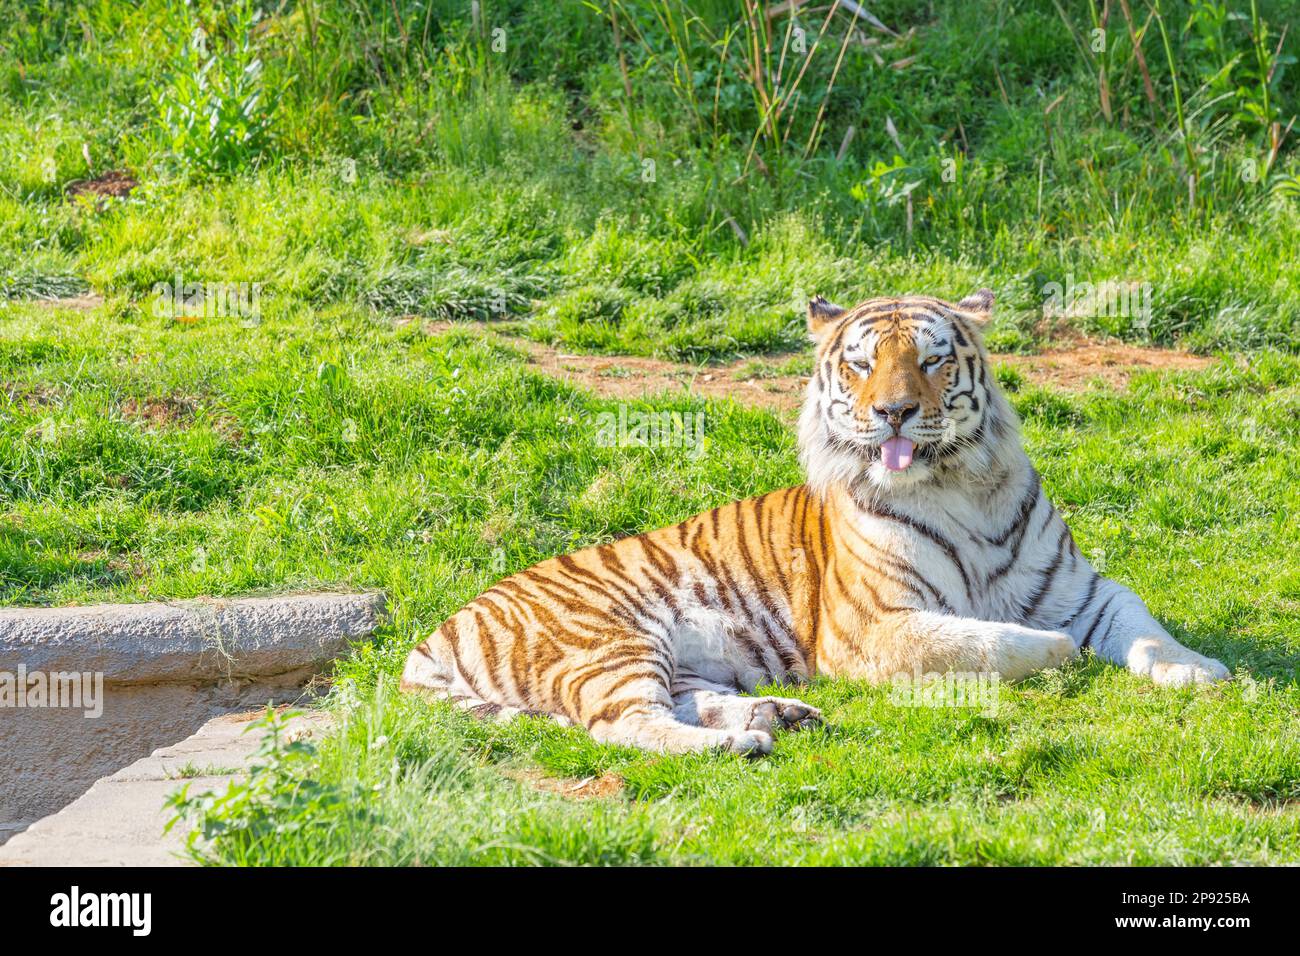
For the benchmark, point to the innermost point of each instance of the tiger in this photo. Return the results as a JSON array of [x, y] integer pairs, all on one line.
[[921, 543]]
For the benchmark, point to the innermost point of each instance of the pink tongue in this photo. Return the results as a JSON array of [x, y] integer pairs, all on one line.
[[896, 453]]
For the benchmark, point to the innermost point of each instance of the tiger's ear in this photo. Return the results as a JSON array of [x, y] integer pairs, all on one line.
[[979, 305], [821, 314]]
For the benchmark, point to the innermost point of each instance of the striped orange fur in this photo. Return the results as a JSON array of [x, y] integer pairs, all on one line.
[[922, 542]]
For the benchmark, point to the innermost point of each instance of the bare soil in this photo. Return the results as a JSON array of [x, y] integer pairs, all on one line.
[[78, 303], [115, 184], [588, 788], [1072, 368], [160, 412]]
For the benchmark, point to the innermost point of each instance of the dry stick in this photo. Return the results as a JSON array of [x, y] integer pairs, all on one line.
[[406, 41], [844, 143], [1042, 160], [1047, 118], [1280, 40], [1136, 39], [1074, 34], [866, 15], [1275, 135], [791, 5], [785, 47], [717, 86], [760, 73], [741, 235], [892, 130], [813, 135], [794, 110], [830, 12], [1002, 90], [794, 89], [1103, 78], [788, 7], [1278, 136], [627, 82]]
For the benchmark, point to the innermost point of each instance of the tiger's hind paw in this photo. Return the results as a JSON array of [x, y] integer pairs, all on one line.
[[768, 714]]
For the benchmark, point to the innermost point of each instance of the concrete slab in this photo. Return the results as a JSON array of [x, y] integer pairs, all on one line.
[[188, 641], [85, 691], [119, 821]]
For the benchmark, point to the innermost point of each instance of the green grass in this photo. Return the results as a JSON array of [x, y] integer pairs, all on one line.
[[1081, 766], [465, 465], [460, 183], [404, 170]]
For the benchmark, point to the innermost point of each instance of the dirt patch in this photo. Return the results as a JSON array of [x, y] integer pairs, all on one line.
[[587, 788], [632, 377], [179, 411], [760, 381], [115, 184], [244, 716], [1072, 369], [78, 303], [169, 412], [39, 395]]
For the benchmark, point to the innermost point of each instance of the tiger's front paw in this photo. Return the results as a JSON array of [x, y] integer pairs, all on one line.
[[1202, 670], [750, 743], [1169, 664], [768, 714]]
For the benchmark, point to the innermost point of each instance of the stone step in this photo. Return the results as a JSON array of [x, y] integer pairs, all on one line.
[[87, 690], [119, 821]]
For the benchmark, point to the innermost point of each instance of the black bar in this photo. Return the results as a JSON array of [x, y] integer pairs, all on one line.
[[192, 904]]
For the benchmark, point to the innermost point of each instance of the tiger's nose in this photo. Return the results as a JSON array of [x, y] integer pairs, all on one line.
[[896, 412]]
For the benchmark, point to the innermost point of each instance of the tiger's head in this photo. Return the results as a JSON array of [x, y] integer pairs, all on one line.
[[902, 396]]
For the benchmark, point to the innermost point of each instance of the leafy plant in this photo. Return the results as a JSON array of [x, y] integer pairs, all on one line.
[[888, 185], [214, 110], [278, 797]]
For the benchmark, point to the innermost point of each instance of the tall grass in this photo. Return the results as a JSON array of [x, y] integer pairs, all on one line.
[[951, 143]]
